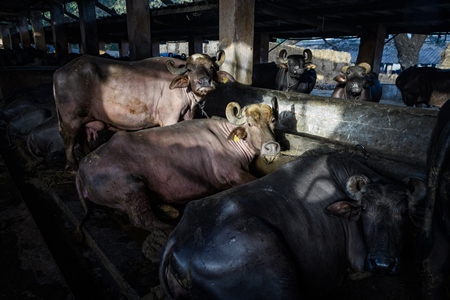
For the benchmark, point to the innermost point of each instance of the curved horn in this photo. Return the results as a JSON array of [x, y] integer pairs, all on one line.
[[220, 57], [282, 56], [275, 107], [174, 70], [308, 55], [237, 119], [354, 185], [365, 66], [344, 69]]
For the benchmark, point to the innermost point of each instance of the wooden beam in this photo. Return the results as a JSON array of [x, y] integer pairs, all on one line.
[[108, 10], [88, 26], [59, 32], [138, 25], [24, 32], [38, 31]]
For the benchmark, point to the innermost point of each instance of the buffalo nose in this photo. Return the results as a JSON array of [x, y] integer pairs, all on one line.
[[381, 264], [204, 81], [270, 148]]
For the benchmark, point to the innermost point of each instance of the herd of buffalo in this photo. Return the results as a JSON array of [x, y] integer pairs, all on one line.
[[129, 133]]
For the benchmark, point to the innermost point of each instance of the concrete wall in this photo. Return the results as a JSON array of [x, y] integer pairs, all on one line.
[[394, 137]]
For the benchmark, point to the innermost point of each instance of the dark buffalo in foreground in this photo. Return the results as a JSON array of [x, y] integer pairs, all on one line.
[[424, 86], [359, 83], [131, 95], [435, 237], [137, 171], [292, 234], [294, 73]]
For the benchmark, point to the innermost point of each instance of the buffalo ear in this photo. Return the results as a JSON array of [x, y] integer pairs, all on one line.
[[181, 81], [345, 209], [417, 201], [283, 66], [223, 77], [310, 66], [238, 134], [340, 79]]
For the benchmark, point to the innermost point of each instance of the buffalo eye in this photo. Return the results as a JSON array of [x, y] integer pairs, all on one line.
[[363, 207], [363, 73], [273, 120], [249, 124], [405, 212]]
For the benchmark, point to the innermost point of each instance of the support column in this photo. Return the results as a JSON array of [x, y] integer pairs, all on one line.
[[124, 48], [6, 37], [261, 48], [371, 47], [236, 22], [15, 37], [88, 26], [138, 23], [155, 47], [195, 45], [24, 32], [59, 34], [38, 31]]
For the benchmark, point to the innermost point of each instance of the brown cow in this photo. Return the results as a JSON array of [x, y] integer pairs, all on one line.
[[136, 171], [131, 95]]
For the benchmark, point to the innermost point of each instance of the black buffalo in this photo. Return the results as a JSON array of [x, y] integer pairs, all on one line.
[[359, 83], [292, 233], [294, 73], [435, 238], [424, 86]]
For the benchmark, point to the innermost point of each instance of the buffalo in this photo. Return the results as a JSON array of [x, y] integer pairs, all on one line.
[[131, 95], [424, 86], [294, 73], [359, 83], [150, 168], [435, 238], [292, 234]]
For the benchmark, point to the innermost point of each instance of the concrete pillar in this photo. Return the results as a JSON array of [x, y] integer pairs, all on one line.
[[38, 31], [236, 22], [371, 47], [24, 32], [6, 37], [138, 24], [261, 48], [88, 27], [195, 45], [124, 48], [59, 34]]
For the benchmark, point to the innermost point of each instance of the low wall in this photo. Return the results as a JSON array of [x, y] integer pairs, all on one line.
[[17, 78], [394, 137]]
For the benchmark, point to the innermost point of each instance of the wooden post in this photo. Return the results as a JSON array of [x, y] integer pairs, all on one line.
[[24, 32], [236, 22], [15, 37], [6, 37], [124, 48], [38, 31], [88, 27], [59, 34], [371, 47], [155, 47], [195, 45], [138, 24], [261, 48]]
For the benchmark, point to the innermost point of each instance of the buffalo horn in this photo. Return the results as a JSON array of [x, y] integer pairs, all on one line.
[[308, 55], [237, 119], [355, 184], [275, 107], [365, 66], [220, 57], [174, 70], [282, 56]]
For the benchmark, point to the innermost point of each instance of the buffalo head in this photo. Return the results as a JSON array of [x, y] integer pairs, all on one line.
[[200, 73], [383, 209], [296, 64], [256, 124]]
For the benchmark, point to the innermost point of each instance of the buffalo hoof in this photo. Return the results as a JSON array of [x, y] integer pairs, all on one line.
[[153, 244]]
